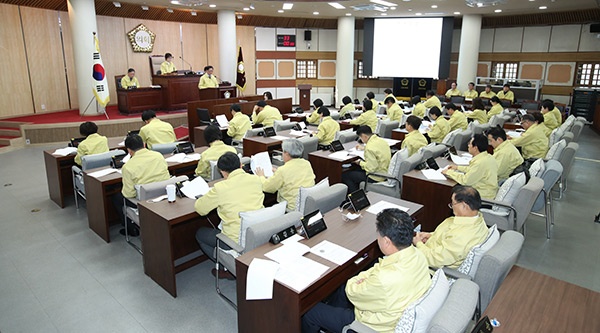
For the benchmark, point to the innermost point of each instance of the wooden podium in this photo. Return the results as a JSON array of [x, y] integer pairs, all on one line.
[[177, 90], [217, 93], [305, 96]]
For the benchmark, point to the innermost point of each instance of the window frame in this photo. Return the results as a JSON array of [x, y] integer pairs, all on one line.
[[359, 72], [307, 72], [504, 70], [594, 75]]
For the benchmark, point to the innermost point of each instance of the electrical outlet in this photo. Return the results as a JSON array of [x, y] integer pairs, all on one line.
[[43, 106], [27, 141]]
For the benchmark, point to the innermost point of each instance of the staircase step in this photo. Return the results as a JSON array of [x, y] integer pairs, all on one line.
[[8, 137]]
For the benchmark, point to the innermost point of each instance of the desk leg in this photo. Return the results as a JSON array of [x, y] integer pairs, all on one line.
[[53, 175]]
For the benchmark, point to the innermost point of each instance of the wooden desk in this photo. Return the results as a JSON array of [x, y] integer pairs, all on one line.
[[512, 126], [100, 209], [433, 194], [177, 90], [199, 135], [399, 133], [297, 117], [283, 313], [257, 144], [325, 166], [217, 93], [345, 124], [528, 301], [138, 100], [59, 174]]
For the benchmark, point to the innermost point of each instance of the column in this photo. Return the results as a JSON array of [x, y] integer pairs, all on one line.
[[469, 50], [227, 45], [344, 65], [82, 18]]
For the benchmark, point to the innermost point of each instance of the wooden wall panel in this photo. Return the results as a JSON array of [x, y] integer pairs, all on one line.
[[560, 73], [266, 69], [194, 45], [327, 69], [531, 71], [483, 69], [15, 79], [245, 36], [113, 47], [45, 58], [69, 59], [286, 69], [212, 46]]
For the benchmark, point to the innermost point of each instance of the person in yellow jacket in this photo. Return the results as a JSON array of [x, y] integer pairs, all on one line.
[[378, 296], [238, 192], [327, 128], [550, 121], [348, 106], [487, 93], [418, 107], [506, 93], [478, 113], [156, 131], [432, 100], [212, 135], [377, 160], [144, 167], [368, 117], [452, 240], [458, 120], [314, 117], [129, 81], [296, 172], [265, 114], [534, 142], [414, 139], [507, 156], [440, 128], [167, 66], [208, 80], [555, 111], [389, 93], [239, 123], [93, 143], [394, 112], [471, 93], [371, 97], [496, 109], [482, 171], [453, 91]]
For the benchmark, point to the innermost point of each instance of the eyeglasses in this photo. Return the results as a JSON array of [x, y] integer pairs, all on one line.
[[451, 205]]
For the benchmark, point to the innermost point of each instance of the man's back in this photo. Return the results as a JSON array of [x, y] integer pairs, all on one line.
[[238, 126], [326, 130], [144, 167], [93, 144], [368, 118], [157, 132], [267, 116], [481, 173], [216, 150], [458, 120], [288, 179]]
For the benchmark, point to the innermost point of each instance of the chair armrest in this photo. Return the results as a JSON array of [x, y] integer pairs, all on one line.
[[76, 170], [245, 160], [384, 175], [278, 152], [132, 200], [452, 273], [232, 244], [497, 203], [358, 327]]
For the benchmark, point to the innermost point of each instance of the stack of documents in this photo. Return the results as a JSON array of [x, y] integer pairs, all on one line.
[[381, 205], [182, 157], [340, 155], [513, 134], [279, 137], [263, 161], [222, 120], [195, 188], [65, 151], [433, 174], [103, 172], [356, 152], [460, 160]]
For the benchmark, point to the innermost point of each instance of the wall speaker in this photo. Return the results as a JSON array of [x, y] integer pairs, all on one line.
[[308, 35], [594, 28]]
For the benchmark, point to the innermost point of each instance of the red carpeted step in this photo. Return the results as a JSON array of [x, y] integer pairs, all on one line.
[[8, 137]]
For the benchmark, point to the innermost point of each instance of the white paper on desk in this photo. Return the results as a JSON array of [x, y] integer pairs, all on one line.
[[65, 151], [513, 134], [194, 188], [263, 161], [126, 158], [356, 152], [177, 158], [300, 273], [381, 205], [460, 160], [121, 144], [287, 252], [297, 133], [192, 157], [260, 278], [433, 174], [222, 120], [338, 255], [279, 137], [102, 173], [390, 142], [293, 239], [339, 155]]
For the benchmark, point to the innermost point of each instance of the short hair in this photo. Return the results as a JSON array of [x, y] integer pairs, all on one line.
[[293, 147], [468, 195], [346, 100], [416, 99], [451, 106], [430, 93], [228, 162], [88, 128], [388, 91], [209, 67], [261, 104], [364, 129], [318, 103], [396, 225], [506, 85], [131, 70], [268, 95], [324, 111], [367, 104], [389, 100], [414, 122], [478, 104], [134, 142], [212, 133], [472, 84], [488, 86], [370, 95], [497, 132], [148, 114], [495, 99], [538, 117], [235, 107], [528, 117], [480, 141], [436, 111], [548, 104], [454, 82], [168, 55]]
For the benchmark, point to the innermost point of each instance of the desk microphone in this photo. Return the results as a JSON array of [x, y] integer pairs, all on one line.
[[180, 57]]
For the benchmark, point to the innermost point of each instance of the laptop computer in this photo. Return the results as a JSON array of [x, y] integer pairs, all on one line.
[[313, 223]]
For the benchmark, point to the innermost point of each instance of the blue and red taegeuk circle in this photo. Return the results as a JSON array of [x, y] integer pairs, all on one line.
[[98, 72]]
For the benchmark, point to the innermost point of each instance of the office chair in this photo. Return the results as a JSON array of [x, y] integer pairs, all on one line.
[[550, 175], [165, 148], [322, 200], [90, 162], [204, 116], [399, 165], [457, 99], [386, 127]]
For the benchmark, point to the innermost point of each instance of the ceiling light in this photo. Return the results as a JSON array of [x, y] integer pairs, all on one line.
[[484, 3], [212, 5], [246, 8], [280, 11], [144, 7], [336, 5], [393, 8], [175, 2], [194, 13], [239, 16], [384, 3], [498, 11], [433, 6], [383, 14], [315, 13], [117, 4], [543, 7], [348, 14], [456, 13], [418, 14], [288, 6], [169, 10], [252, 6]]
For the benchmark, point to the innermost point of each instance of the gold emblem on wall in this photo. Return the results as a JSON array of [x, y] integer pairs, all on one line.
[[141, 38], [404, 82], [422, 83]]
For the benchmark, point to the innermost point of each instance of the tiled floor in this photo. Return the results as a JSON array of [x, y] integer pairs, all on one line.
[[56, 275]]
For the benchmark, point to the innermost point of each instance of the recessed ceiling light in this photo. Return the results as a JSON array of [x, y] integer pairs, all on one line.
[[288, 6], [336, 5], [280, 11], [543, 7], [410, 9], [175, 2], [348, 14], [384, 3], [170, 10], [212, 5], [145, 8], [433, 6], [194, 13], [246, 8], [117, 4], [393, 8], [498, 11], [315, 13], [418, 14], [383, 14], [456, 13]]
